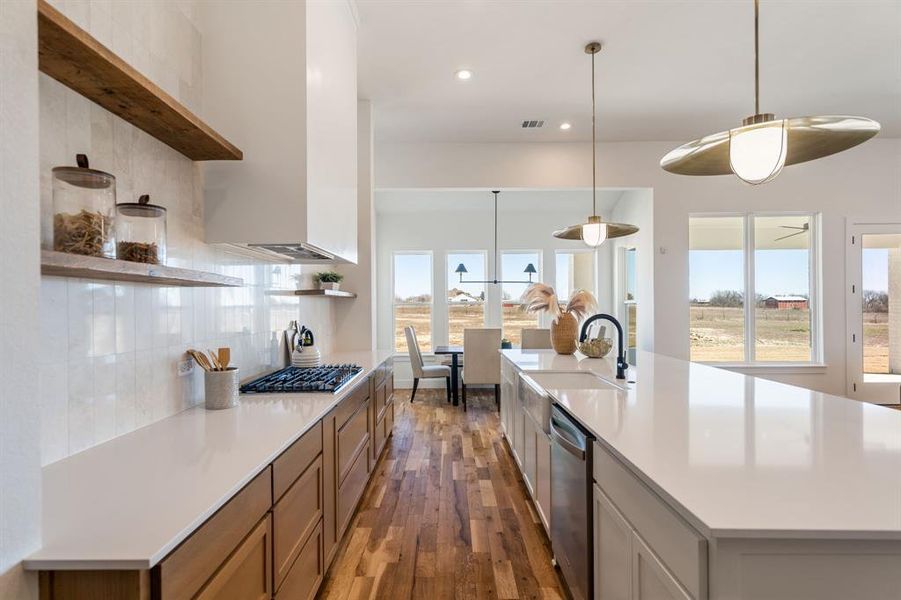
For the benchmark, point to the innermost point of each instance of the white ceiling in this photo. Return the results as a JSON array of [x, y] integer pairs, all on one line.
[[670, 70], [415, 201]]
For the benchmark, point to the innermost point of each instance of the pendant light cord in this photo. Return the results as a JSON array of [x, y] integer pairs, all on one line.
[[756, 58], [594, 183]]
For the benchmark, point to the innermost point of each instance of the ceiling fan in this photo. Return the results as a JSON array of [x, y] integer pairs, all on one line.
[[802, 229]]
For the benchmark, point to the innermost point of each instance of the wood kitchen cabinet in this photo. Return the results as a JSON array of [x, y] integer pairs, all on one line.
[[346, 463], [382, 408]]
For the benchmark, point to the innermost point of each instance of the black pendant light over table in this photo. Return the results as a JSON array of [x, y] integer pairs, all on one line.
[[461, 268]]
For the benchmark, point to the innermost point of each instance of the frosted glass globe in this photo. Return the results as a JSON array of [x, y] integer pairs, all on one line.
[[757, 152], [594, 233]]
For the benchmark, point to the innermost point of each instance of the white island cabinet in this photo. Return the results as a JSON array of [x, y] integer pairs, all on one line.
[[709, 484]]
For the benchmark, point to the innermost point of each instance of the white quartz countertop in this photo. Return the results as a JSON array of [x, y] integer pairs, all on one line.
[[127, 503], [740, 456]]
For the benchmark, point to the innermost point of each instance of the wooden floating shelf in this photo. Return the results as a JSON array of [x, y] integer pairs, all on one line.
[[60, 264], [73, 57], [329, 293]]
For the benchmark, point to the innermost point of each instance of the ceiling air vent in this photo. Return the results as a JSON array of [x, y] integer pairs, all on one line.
[[535, 124]]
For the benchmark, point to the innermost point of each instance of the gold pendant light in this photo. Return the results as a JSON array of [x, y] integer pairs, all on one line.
[[757, 151], [595, 231]]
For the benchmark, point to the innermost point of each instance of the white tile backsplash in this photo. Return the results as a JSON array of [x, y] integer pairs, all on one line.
[[110, 350]]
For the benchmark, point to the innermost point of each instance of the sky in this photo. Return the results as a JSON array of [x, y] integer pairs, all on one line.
[[875, 269], [777, 271], [412, 272]]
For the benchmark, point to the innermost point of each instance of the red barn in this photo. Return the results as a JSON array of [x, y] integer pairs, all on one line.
[[786, 302]]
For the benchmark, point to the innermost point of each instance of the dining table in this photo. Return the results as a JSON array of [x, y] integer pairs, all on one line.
[[454, 352]]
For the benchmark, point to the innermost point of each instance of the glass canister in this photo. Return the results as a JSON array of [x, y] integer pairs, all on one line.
[[84, 206], [141, 231]]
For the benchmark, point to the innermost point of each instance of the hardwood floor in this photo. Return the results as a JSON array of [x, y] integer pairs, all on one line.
[[445, 515]]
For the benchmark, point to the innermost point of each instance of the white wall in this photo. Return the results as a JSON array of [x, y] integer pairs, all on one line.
[[448, 231], [636, 207], [20, 457], [355, 320], [109, 351], [864, 182]]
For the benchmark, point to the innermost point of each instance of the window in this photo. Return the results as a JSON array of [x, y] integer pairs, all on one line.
[[779, 275], [513, 265], [465, 301], [716, 288], [575, 271], [413, 298], [630, 306], [782, 288], [881, 266]]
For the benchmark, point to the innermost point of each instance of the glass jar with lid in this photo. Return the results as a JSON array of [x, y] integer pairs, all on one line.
[[141, 231], [84, 206]]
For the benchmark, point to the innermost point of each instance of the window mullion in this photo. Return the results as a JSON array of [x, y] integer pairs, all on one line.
[[750, 292]]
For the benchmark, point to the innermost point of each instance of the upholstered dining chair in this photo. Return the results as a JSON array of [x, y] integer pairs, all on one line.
[[536, 339], [421, 371], [481, 355]]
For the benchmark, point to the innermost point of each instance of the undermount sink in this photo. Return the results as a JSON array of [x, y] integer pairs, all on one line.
[[533, 388], [571, 380]]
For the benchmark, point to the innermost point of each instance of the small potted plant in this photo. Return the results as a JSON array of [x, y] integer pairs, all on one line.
[[329, 280], [506, 344]]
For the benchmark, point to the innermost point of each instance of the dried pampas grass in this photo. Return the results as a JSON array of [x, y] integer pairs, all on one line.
[[540, 297]]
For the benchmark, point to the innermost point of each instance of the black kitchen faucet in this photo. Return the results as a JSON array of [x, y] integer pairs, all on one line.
[[621, 364]]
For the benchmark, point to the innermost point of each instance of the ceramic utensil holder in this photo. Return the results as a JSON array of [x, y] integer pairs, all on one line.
[[221, 388]]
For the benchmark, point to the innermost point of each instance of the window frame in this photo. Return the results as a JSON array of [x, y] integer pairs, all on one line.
[[623, 300], [431, 256], [814, 274]]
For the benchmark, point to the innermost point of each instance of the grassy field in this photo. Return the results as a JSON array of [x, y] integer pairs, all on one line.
[[717, 334], [461, 316]]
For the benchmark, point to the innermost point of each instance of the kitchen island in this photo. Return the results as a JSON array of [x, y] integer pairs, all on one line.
[[713, 484]]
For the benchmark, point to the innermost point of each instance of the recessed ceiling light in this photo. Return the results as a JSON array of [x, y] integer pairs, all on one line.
[[463, 74], [565, 126]]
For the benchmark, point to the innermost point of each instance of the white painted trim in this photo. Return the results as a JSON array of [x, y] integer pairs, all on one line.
[[763, 367]]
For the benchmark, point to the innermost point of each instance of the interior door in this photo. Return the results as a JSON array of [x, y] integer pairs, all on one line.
[[873, 305]]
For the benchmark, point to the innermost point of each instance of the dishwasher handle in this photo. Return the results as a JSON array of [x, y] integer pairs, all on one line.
[[559, 438]]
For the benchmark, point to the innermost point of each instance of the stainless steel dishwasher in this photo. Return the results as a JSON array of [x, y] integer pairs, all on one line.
[[571, 514]]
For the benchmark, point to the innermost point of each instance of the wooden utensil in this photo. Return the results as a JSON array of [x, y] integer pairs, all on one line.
[[201, 359], [215, 360], [225, 357]]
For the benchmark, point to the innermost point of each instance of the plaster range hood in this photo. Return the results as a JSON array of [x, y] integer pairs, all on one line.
[[285, 90]]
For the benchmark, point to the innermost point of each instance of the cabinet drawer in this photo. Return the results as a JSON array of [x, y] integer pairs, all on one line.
[[349, 492], [351, 438], [675, 542], [294, 461], [306, 574], [182, 573], [348, 407], [245, 575], [295, 516]]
